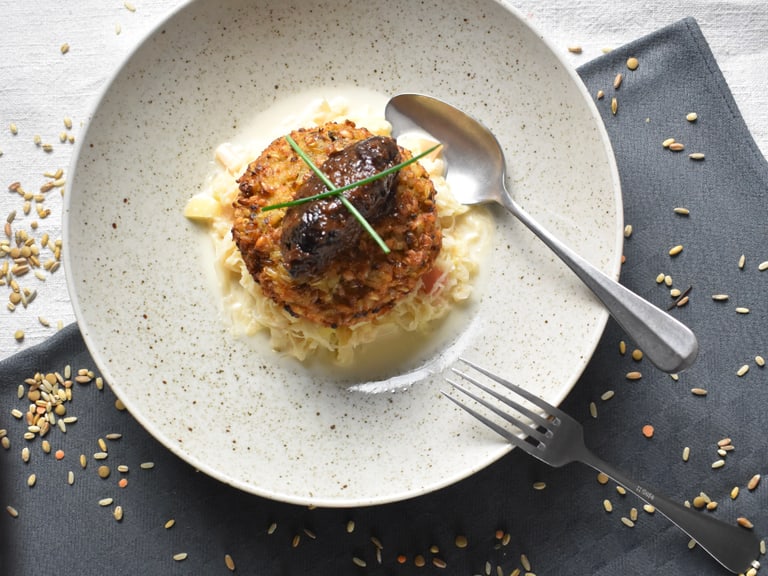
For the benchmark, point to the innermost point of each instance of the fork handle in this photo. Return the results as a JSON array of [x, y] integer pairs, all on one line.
[[736, 548], [666, 342]]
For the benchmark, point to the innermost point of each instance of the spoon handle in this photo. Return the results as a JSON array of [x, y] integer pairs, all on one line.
[[666, 342]]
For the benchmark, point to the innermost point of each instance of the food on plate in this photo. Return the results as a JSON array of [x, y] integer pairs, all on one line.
[[308, 273], [315, 259]]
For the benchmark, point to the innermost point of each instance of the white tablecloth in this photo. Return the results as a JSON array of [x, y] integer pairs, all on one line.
[[42, 83]]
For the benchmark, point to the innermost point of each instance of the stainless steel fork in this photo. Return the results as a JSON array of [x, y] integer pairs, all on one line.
[[557, 439]]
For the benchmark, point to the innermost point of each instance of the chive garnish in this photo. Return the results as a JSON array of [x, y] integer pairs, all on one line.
[[338, 191]]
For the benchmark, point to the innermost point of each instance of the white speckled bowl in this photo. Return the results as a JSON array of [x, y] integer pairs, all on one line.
[[139, 273]]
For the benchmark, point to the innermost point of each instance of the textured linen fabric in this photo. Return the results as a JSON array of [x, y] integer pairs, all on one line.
[[562, 529]]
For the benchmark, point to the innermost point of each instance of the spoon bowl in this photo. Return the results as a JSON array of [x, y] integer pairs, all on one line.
[[476, 172]]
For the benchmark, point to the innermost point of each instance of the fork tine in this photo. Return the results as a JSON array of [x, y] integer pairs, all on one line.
[[537, 418], [506, 434], [552, 410], [524, 427]]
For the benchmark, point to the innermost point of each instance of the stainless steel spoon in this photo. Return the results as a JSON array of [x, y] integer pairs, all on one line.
[[476, 171]]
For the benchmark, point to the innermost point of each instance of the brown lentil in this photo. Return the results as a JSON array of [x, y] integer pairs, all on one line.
[[632, 63], [104, 471]]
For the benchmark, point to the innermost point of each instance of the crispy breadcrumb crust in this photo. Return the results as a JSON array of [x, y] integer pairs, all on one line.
[[362, 282]]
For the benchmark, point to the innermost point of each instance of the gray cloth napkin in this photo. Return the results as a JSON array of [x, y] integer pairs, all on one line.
[[562, 529]]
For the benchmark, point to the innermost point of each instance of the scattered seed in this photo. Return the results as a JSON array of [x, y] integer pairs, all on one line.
[[698, 391], [607, 395], [691, 544], [627, 230], [700, 502], [19, 335], [147, 465], [632, 63], [419, 561], [753, 482], [104, 471], [600, 94], [296, 541], [668, 280], [350, 526], [542, 485], [12, 511], [696, 156], [180, 557], [106, 502], [676, 146], [692, 117], [272, 527], [129, 6], [718, 464], [602, 478], [59, 454], [123, 482], [31, 480], [593, 409], [734, 492], [461, 541], [621, 490], [637, 355], [627, 522], [229, 563], [169, 524], [70, 478], [742, 261], [118, 513], [607, 506], [760, 361], [439, 562], [575, 49], [668, 142], [675, 250], [763, 266], [64, 48], [634, 375], [660, 278], [682, 302], [744, 523], [649, 508], [682, 211], [648, 431], [743, 370], [720, 297], [622, 347], [614, 106], [617, 81]]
